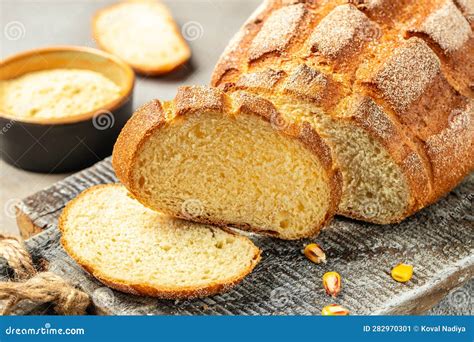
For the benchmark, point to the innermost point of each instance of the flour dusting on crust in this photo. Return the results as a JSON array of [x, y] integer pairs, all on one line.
[[344, 27], [407, 73], [447, 27], [265, 79], [277, 31], [307, 82]]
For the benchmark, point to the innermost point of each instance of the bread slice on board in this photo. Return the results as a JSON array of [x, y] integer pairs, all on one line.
[[136, 250], [143, 33], [388, 85], [228, 160]]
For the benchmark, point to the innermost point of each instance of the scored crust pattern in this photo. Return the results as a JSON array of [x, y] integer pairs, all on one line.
[[407, 66]]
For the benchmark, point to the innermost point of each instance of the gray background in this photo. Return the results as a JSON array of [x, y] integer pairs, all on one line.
[[32, 24]]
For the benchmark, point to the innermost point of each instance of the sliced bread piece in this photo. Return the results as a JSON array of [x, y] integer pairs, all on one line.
[[136, 250], [228, 160], [143, 33]]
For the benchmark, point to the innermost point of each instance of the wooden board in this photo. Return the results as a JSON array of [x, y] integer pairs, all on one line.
[[437, 241]]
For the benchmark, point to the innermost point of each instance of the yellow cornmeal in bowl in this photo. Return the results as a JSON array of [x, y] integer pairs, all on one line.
[[56, 93]]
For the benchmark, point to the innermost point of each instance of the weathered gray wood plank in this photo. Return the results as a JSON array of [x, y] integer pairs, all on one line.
[[437, 241]]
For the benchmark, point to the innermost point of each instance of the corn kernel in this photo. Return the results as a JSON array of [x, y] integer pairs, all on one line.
[[334, 310], [332, 283], [402, 273], [315, 253]]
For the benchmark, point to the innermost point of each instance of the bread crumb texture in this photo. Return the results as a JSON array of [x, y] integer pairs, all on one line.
[[56, 93], [241, 171], [127, 245], [377, 194]]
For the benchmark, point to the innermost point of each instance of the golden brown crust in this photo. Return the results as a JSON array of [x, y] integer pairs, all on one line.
[[418, 79], [231, 58], [467, 9], [145, 289], [146, 119], [313, 85], [424, 109], [451, 151], [192, 99], [196, 99], [277, 32], [445, 27], [139, 68], [342, 33], [26, 225]]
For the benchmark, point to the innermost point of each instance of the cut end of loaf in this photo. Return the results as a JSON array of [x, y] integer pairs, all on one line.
[[231, 166], [136, 250], [232, 170], [375, 187]]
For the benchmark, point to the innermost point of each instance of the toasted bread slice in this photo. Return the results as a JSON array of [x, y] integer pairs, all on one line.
[[136, 250], [228, 160], [143, 33]]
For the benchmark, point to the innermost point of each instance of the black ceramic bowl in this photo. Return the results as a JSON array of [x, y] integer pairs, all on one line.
[[72, 142]]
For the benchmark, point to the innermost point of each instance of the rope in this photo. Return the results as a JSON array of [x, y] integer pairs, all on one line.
[[17, 257], [44, 287]]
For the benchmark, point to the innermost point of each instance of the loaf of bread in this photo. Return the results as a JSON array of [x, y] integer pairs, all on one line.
[[388, 85], [136, 250], [228, 160], [143, 33]]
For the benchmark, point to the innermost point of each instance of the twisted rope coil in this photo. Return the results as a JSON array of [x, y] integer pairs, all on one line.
[[43, 287]]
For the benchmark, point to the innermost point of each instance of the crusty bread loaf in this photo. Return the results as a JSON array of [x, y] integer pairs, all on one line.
[[136, 250], [388, 85], [228, 160], [143, 33]]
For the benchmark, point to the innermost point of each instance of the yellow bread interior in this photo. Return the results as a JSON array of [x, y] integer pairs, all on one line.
[[124, 243], [374, 186], [233, 169]]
